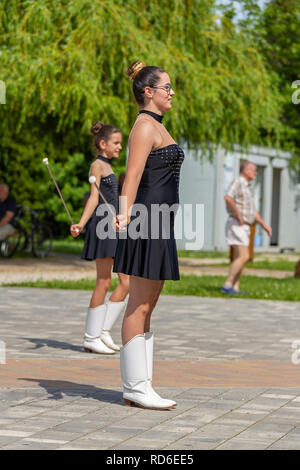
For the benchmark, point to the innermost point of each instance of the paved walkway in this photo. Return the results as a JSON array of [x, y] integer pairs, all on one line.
[[227, 362]]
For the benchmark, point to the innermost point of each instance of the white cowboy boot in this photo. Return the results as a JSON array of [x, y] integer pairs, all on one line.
[[113, 311], [133, 361], [94, 321], [149, 352]]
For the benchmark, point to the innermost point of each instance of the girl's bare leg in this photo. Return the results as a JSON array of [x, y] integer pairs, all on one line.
[[122, 289], [104, 268]]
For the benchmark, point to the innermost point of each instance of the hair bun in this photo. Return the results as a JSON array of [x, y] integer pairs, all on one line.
[[134, 69], [96, 128]]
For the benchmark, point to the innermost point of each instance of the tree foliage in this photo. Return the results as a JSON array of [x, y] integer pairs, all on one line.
[[276, 33], [64, 64]]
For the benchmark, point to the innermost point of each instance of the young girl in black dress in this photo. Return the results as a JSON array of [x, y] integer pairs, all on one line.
[[100, 242], [152, 178]]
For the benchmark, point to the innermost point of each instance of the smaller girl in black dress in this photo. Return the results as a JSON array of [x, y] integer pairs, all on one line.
[[101, 242]]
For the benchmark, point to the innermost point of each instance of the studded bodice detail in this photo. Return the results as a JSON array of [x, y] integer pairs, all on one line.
[[109, 189], [160, 180]]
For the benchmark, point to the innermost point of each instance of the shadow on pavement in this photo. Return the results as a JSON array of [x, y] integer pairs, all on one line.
[[51, 343], [58, 390]]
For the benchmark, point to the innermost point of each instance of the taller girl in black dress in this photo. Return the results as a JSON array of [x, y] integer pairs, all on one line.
[[152, 178], [101, 242]]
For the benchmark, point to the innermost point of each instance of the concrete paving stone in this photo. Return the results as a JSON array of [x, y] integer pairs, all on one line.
[[7, 422], [45, 421], [54, 435], [232, 419], [206, 415], [223, 431], [113, 433], [87, 444], [41, 440], [14, 433], [251, 434], [296, 430], [284, 414], [161, 436], [142, 443], [257, 334], [178, 428], [129, 446], [27, 445], [294, 404], [24, 412], [285, 445], [24, 426], [243, 396], [65, 414], [201, 394], [222, 405], [252, 413], [279, 397], [293, 409], [267, 407], [238, 443], [5, 440], [190, 443], [267, 426], [83, 428]]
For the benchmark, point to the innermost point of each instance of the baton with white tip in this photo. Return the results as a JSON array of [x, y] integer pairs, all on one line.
[[45, 160], [92, 180]]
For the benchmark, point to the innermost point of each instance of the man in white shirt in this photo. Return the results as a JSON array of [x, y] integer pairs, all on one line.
[[242, 214]]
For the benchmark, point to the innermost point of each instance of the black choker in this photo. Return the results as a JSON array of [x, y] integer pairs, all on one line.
[[106, 160], [157, 117]]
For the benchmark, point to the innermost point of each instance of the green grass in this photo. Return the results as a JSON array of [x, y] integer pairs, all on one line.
[[70, 245], [205, 286], [202, 254], [278, 265]]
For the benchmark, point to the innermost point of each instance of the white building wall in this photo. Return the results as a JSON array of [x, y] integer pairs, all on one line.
[[205, 182]]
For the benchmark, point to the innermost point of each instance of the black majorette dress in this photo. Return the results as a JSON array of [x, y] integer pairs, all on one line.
[[153, 254], [101, 238]]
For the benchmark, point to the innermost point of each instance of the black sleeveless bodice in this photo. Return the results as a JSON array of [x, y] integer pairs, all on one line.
[[153, 256], [104, 247]]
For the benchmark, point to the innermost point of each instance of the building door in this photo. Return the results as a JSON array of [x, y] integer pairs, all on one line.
[[275, 206]]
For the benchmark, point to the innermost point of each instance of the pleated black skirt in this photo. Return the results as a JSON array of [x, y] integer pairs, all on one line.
[[94, 246], [149, 258]]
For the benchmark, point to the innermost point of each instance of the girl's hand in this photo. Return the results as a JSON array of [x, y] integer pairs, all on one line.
[[120, 222], [75, 230]]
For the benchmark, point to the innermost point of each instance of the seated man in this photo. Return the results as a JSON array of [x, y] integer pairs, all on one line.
[[7, 212]]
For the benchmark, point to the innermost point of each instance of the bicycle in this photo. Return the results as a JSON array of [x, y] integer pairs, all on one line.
[[38, 241]]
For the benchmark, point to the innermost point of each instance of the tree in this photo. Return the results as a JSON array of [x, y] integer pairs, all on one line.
[[276, 32], [64, 66]]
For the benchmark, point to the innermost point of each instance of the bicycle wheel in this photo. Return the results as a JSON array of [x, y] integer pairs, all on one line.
[[13, 242], [42, 240]]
